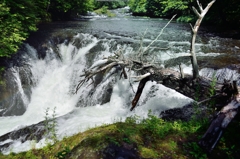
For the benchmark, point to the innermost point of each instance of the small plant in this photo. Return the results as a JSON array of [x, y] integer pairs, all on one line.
[[30, 155], [51, 125], [62, 154], [155, 125], [195, 150], [132, 119], [212, 91], [173, 145], [127, 140]]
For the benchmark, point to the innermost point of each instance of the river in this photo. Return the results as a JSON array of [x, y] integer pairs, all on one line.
[[45, 72]]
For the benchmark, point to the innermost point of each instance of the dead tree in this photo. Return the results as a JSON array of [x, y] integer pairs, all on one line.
[[200, 16], [183, 83]]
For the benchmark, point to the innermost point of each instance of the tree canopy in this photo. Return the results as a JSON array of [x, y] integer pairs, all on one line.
[[224, 12], [20, 17], [17, 19]]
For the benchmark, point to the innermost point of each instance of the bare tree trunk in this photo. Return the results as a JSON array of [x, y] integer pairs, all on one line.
[[194, 35]]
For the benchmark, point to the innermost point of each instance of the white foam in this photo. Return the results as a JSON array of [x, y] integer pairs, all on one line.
[[54, 81]]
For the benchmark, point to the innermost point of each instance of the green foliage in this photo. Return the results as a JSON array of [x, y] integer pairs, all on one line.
[[12, 30], [148, 153], [62, 154], [179, 140], [104, 10], [156, 126], [132, 119], [20, 17], [195, 150], [110, 4], [154, 8], [74, 5], [50, 124], [138, 7], [17, 20], [226, 13], [186, 18], [212, 90], [30, 155]]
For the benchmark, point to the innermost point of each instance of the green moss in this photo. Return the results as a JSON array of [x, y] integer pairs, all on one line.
[[148, 153]]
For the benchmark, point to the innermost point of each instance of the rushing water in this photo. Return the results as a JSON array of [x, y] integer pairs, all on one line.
[[54, 65]]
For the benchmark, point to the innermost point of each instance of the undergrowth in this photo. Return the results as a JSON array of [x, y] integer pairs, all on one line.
[[149, 138]]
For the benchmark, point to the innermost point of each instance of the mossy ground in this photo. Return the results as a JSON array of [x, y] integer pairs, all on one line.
[[149, 138]]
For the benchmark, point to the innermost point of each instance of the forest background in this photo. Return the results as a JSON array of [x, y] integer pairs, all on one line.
[[18, 18]]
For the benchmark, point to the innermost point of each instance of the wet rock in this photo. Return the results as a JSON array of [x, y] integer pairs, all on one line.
[[98, 94], [33, 132], [184, 113], [11, 101], [16, 88]]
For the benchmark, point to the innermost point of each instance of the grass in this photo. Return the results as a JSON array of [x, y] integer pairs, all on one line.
[[148, 138]]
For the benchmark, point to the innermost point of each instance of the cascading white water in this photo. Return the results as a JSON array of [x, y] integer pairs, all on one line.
[[55, 81]]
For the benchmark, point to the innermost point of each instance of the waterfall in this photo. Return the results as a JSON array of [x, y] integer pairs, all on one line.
[[55, 78]]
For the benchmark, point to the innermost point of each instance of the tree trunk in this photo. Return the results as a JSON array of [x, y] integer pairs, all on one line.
[[219, 123]]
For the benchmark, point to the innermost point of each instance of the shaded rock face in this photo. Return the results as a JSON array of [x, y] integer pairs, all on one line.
[[99, 94], [11, 102], [124, 151], [15, 92], [33, 132], [185, 113], [111, 151]]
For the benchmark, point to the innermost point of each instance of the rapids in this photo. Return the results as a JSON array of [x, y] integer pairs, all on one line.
[[55, 57]]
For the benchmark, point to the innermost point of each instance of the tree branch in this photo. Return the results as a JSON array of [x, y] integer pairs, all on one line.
[[139, 78], [139, 92]]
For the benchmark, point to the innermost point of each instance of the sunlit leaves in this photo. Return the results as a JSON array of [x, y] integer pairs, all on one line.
[[18, 18], [138, 6]]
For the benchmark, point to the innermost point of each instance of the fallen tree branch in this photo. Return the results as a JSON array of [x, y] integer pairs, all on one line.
[[159, 34], [139, 78], [139, 92]]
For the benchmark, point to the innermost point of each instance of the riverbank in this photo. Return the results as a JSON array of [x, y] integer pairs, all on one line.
[[149, 138]]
